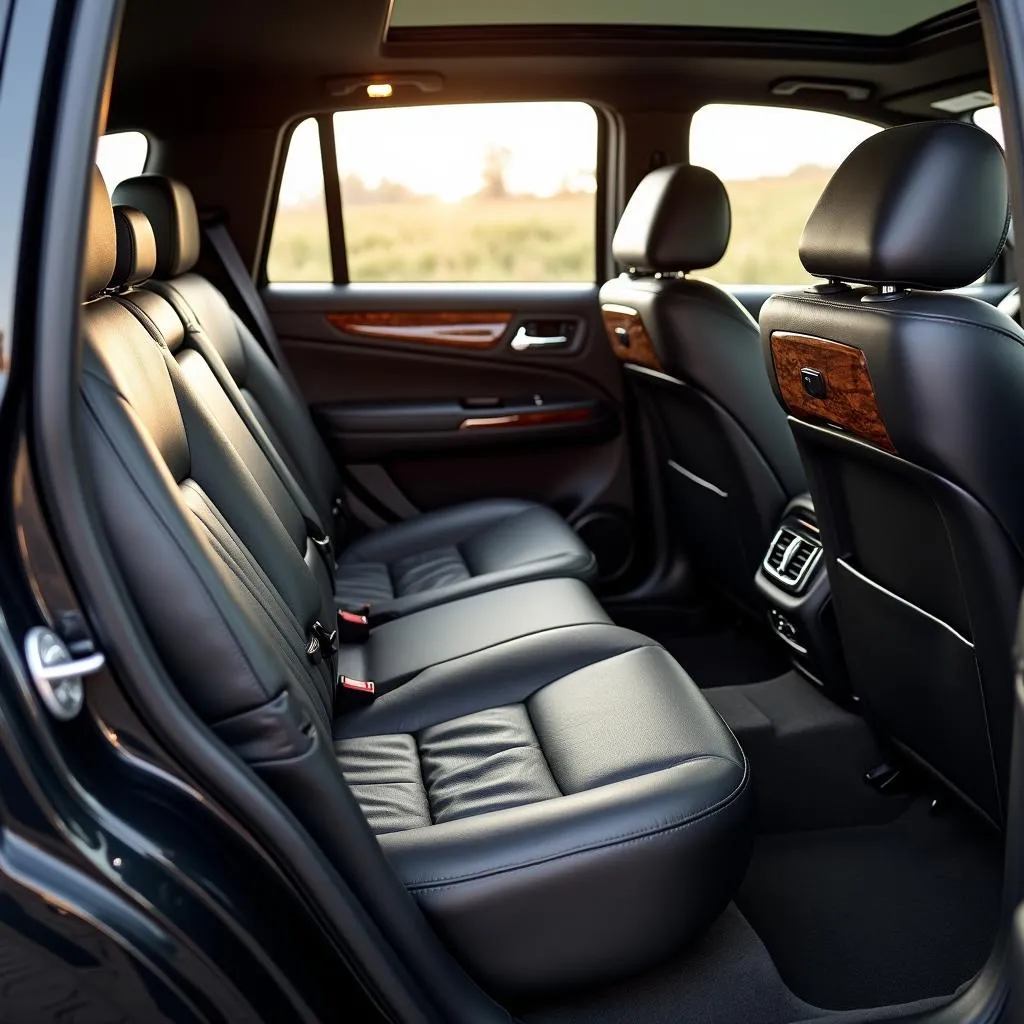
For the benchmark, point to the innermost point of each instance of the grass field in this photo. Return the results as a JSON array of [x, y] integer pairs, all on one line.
[[530, 239]]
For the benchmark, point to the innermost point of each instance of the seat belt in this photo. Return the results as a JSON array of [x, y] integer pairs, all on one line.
[[248, 304]]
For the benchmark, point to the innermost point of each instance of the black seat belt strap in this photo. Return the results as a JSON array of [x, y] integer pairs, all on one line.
[[249, 304]]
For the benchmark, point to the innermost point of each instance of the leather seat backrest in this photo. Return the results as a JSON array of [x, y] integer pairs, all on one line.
[[905, 401], [724, 455], [282, 413]]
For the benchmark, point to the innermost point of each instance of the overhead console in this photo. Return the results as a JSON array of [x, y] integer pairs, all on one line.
[[795, 586]]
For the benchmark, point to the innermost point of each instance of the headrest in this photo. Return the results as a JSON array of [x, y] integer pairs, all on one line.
[[136, 247], [919, 206], [677, 219], [100, 245], [172, 213]]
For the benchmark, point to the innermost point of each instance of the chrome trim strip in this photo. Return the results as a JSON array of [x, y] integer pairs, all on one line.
[[700, 481], [896, 597], [615, 307]]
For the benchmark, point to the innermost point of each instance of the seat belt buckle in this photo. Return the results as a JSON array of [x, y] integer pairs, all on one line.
[[354, 627], [322, 644], [353, 693]]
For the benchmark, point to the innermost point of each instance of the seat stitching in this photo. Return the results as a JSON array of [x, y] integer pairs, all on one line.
[[540, 746], [423, 781], [638, 835]]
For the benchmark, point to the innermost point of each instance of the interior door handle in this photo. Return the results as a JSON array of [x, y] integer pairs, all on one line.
[[524, 341]]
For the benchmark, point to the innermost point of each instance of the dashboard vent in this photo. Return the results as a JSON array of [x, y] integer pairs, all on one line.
[[791, 558]]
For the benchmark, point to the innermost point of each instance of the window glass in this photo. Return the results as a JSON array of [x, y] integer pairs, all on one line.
[[990, 120], [476, 192], [775, 163], [300, 248], [121, 155]]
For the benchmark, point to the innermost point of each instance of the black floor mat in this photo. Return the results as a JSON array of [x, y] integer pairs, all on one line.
[[736, 654], [879, 914]]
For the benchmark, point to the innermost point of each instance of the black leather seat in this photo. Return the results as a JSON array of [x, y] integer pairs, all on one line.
[[906, 404], [436, 557], [724, 453], [575, 777]]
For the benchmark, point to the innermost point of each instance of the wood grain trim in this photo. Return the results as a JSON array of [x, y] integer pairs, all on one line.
[[443, 328], [628, 337], [540, 418], [849, 402]]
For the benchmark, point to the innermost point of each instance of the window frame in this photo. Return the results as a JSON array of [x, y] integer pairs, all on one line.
[[606, 208]]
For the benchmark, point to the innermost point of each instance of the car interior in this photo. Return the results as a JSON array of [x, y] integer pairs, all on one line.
[[607, 543]]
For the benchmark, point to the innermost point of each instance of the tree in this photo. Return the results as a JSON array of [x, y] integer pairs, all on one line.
[[496, 161]]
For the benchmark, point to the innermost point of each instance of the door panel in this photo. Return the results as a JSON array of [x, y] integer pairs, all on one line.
[[434, 394]]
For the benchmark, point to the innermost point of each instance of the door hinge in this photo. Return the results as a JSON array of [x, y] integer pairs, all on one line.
[[58, 675]]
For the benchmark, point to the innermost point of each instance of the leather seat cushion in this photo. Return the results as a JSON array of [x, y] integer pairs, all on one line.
[[577, 779], [400, 649], [454, 552]]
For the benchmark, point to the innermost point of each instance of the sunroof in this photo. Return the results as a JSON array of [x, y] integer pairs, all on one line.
[[865, 17]]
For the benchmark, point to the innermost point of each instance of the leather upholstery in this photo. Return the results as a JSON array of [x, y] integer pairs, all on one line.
[[101, 240], [576, 778], [398, 650], [678, 219], [713, 416], [924, 548], [576, 773], [172, 212], [921, 206], [436, 557], [454, 552], [136, 248]]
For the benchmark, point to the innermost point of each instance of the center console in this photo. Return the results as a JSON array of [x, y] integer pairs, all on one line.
[[793, 582]]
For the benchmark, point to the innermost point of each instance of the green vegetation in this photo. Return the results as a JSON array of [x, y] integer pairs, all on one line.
[[523, 238]]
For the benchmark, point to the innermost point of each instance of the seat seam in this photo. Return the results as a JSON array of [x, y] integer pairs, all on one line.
[[540, 746], [636, 836], [423, 782]]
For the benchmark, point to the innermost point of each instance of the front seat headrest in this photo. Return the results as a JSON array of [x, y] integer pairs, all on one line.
[[100, 243], [172, 213], [136, 248], [678, 219], [920, 206]]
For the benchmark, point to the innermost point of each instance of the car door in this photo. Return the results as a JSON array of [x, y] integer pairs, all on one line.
[[436, 297]]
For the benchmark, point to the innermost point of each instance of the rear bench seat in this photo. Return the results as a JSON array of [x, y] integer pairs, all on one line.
[[565, 806], [436, 557]]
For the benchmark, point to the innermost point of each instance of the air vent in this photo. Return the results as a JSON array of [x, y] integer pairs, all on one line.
[[791, 558]]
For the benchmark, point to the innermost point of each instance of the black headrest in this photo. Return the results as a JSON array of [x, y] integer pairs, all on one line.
[[172, 213], [136, 247], [919, 206], [677, 219], [100, 244]]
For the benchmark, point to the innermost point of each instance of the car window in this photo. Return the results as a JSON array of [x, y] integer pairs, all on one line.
[[990, 120], [121, 155], [775, 163], [470, 192], [300, 247]]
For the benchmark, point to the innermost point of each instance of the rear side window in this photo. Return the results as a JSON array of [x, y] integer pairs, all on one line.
[[496, 192], [121, 155], [775, 163]]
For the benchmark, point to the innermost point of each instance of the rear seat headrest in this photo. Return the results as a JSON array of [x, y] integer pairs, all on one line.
[[172, 213], [100, 241], [136, 247], [677, 219], [921, 206]]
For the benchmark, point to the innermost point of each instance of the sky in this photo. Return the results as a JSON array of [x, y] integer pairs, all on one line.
[[441, 150]]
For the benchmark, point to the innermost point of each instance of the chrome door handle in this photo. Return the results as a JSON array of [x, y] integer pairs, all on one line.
[[523, 341]]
